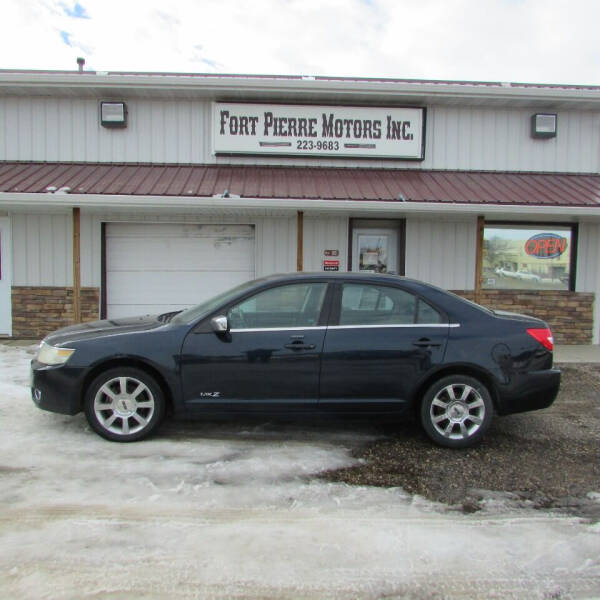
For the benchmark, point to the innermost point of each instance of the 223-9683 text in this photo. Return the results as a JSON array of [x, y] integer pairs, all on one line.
[[320, 145]]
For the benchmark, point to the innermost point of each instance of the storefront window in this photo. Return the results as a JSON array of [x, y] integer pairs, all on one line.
[[527, 257]]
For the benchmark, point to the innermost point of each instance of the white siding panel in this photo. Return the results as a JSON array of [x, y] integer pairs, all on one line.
[[170, 131], [275, 245], [42, 250], [588, 268], [90, 249], [6, 276], [32, 231], [19, 253], [321, 233], [442, 253]]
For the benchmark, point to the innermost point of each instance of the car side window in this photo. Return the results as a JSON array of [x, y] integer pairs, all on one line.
[[296, 305], [426, 314], [366, 304]]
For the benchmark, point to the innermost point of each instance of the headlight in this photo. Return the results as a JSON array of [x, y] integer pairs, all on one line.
[[51, 355]]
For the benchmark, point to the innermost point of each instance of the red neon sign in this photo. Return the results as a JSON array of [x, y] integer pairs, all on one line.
[[546, 245]]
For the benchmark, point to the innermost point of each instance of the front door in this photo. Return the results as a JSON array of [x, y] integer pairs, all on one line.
[[270, 354], [5, 277], [380, 346]]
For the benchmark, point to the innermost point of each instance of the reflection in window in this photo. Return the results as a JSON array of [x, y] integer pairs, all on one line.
[[297, 305], [526, 257], [364, 304], [373, 253]]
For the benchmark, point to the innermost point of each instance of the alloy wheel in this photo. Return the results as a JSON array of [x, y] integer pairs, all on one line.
[[124, 405], [457, 411]]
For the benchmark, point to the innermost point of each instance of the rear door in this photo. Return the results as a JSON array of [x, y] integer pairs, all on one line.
[[381, 342]]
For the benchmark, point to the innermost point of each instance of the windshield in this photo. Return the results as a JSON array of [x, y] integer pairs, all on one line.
[[199, 311]]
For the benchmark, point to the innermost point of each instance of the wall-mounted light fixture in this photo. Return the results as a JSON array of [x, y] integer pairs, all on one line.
[[543, 125], [113, 114]]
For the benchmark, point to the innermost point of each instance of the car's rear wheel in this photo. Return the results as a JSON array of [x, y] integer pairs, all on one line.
[[456, 411], [124, 404]]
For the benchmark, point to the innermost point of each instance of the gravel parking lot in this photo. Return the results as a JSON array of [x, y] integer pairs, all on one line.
[[543, 459], [243, 510]]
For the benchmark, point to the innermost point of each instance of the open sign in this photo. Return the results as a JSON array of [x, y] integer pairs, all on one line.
[[546, 245]]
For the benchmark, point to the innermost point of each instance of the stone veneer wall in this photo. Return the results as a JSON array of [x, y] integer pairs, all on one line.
[[569, 314], [36, 311]]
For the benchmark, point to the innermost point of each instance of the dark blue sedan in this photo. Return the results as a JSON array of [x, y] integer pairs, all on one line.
[[341, 343]]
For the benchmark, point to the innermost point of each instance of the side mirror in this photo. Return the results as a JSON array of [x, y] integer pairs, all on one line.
[[220, 324]]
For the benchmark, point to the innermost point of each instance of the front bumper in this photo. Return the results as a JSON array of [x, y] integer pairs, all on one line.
[[56, 388], [529, 391]]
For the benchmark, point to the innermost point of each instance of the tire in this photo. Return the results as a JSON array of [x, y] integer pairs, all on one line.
[[456, 411], [124, 404]]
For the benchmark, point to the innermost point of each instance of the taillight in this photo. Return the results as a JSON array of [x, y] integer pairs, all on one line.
[[543, 336]]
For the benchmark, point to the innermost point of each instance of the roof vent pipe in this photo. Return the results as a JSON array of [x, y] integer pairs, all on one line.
[[80, 63]]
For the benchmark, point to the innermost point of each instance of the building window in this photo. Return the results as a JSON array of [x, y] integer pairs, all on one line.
[[531, 257], [377, 245]]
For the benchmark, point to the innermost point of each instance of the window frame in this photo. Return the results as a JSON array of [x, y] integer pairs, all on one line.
[[573, 227]]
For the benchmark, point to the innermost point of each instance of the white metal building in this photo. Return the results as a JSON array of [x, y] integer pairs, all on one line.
[[128, 193]]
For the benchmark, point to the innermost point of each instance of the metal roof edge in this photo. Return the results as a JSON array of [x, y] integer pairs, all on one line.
[[211, 84], [107, 201]]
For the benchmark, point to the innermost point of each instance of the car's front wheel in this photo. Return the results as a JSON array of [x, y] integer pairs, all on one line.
[[124, 404], [456, 411]]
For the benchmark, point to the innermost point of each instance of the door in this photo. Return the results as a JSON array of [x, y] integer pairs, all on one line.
[[159, 267], [375, 250], [5, 277], [380, 345], [271, 352]]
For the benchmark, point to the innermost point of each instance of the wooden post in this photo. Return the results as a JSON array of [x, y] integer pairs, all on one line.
[[300, 248], [76, 264], [479, 259]]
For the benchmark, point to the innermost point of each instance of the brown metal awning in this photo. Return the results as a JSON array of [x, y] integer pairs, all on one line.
[[386, 185]]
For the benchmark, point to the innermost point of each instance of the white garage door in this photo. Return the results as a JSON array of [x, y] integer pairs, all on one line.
[[155, 268]]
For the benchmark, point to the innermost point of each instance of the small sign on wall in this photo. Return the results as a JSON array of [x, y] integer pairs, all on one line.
[[331, 252], [331, 265]]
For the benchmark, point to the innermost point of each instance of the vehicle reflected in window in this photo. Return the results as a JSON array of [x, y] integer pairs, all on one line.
[[527, 257]]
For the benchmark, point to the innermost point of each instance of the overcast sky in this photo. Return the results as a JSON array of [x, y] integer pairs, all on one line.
[[546, 41]]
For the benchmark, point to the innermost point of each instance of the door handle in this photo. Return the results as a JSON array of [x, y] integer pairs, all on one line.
[[299, 345], [426, 343]]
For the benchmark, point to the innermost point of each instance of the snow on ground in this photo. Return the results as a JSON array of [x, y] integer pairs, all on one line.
[[234, 511]]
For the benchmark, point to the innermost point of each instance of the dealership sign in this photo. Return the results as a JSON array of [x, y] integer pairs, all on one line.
[[308, 130], [546, 245]]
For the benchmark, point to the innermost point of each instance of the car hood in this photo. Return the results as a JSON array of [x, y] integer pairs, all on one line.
[[95, 329]]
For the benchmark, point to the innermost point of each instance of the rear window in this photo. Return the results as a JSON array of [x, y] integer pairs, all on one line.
[[368, 304]]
